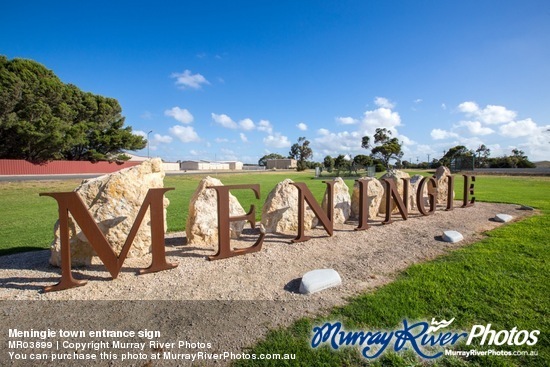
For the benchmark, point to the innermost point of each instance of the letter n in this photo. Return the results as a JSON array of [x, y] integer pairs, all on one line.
[[391, 192], [71, 202], [305, 195], [224, 230]]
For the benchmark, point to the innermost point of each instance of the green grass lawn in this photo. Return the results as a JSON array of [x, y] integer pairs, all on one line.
[[25, 209]]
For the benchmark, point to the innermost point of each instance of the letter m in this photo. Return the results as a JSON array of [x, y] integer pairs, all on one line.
[[71, 202]]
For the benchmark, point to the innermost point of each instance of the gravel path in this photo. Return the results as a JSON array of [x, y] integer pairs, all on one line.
[[232, 303]]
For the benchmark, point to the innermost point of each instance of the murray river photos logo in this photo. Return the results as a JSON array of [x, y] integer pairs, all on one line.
[[427, 340]]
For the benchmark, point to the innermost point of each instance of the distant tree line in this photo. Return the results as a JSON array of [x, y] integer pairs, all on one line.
[[481, 158], [387, 149], [43, 119]]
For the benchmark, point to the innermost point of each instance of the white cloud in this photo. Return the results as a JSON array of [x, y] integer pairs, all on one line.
[[184, 133], [244, 139], [443, 106], [417, 101], [194, 152], [165, 139], [426, 149], [302, 126], [538, 147], [439, 134], [406, 140], [380, 118], [247, 124], [277, 141], [188, 80], [491, 114], [224, 121], [468, 107], [475, 128], [384, 102], [181, 115], [265, 125], [516, 129], [221, 140], [337, 143], [347, 120]]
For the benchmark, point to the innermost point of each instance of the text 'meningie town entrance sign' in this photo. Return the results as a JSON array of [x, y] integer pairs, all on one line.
[[70, 202]]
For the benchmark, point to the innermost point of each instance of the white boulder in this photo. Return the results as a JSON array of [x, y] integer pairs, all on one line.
[[280, 210], [341, 201], [113, 201], [202, 221]]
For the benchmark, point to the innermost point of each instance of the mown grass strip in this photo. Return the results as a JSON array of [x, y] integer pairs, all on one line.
[[28, 219]]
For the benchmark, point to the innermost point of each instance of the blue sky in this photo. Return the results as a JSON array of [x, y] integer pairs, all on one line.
[[235, 80]]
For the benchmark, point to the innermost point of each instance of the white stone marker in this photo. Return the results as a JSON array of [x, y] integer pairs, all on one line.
[[452, 236], [317, 280], [503, 218]]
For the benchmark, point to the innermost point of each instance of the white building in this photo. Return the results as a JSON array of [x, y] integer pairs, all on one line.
[[210, 166], [281, 163]]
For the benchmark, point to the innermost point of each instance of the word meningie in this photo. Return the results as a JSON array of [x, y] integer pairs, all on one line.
[[71, 202]]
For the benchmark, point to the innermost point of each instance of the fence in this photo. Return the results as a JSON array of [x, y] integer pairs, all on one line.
[[22, 167]]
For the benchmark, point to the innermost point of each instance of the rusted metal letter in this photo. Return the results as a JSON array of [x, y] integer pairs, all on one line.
[[432, 194], [450, 192], [304, 194], [391, 192], [224, 230], [71, 202], [468, 190], [363, 204]]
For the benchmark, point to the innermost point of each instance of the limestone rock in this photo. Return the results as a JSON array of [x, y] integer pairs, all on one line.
[[318, 280], [415, 182], [442, 184], [375, 192], [341, 201], [503, 218], [280, 210], [396, 176], [114, 201], [452, 236], [202, 221]]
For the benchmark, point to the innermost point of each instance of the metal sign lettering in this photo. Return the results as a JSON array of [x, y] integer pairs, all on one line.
[[70, 202], [224, 230]]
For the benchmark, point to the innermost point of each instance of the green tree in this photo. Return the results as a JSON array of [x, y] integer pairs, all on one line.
[[263, 160], [483, 154], [459, 151], [342, 163], [301, 151], [520, 160], [328, 163], [362, 160], [42, 119], [386, 148]]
